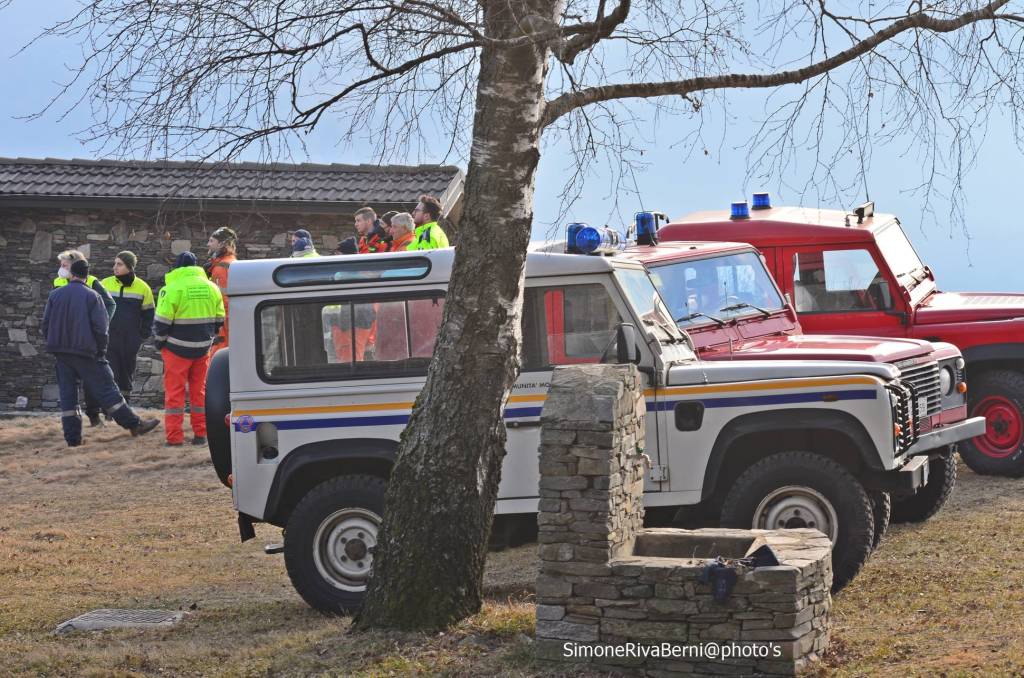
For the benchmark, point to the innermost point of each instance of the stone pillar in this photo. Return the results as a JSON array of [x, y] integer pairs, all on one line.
[[592, 466], [607, 585]]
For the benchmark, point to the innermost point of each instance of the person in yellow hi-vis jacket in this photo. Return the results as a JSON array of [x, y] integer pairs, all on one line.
[[132, 323], [189, 313]]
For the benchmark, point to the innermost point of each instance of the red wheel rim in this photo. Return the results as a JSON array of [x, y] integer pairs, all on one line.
[[1004, 427]]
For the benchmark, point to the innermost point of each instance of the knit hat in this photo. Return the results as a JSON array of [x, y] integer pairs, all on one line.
[[185, 259], [303, 243], [128, 259], [348, 246], [80, 268], [225, 234], [303, 233]]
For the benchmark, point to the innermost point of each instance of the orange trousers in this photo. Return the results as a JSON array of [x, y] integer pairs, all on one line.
[[179, 372]]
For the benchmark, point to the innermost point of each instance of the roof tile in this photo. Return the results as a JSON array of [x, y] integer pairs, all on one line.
[[27, 177]]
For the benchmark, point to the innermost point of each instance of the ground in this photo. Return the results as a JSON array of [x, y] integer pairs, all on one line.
[[124, 522]]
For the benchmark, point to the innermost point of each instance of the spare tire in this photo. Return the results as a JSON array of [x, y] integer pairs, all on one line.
[[218, 407]]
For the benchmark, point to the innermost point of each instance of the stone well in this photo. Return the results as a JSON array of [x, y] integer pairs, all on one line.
[[612, 594]]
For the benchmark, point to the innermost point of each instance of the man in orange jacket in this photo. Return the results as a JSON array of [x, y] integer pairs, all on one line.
[[402, 227], [221, 248]]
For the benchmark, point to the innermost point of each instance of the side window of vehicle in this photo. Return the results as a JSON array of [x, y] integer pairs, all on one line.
[[566, 325], [838, 280], [326, 340]]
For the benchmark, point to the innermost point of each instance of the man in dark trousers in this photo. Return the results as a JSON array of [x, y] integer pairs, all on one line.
[[75, 327]]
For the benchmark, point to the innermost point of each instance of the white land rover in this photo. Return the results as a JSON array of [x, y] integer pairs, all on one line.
[[327, 356]]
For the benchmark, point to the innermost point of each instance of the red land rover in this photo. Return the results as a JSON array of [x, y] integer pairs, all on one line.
[[722, 295], [857, 273]]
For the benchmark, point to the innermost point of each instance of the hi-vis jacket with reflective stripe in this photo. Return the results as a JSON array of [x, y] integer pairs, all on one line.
[[189, 312], [96, 286], [135, 307], [429, 236]]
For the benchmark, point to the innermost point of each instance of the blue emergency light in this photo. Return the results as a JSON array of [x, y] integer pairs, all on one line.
[[646, 228], [740, 210], [590, 240], [570, 237], [762, 201]]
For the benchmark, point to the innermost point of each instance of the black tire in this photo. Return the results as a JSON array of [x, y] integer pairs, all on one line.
[[987, 455], [218, 406], [846, 498], [881, 504], [926, 502], [343, 510]]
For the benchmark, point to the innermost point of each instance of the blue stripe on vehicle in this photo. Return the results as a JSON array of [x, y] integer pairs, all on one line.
[[780, 399], [652, 406], [380, 420]]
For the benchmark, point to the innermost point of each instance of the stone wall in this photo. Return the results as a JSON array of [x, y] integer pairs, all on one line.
[[31, 238], [607, 583]]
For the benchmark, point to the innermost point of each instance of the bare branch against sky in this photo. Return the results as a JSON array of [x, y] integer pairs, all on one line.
[[210, 78]]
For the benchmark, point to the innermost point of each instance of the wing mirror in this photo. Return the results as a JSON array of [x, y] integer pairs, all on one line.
[[626, 349]]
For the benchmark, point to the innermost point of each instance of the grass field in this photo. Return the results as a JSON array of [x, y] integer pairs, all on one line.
[[123, 522]]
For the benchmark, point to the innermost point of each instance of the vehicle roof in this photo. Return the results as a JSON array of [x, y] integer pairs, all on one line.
[[678, 249], [255, 276], [778, 226]]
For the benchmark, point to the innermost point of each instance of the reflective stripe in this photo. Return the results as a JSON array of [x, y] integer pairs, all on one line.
[[130, 295], [146, 307], [115, 408], [199, 410], [174, 410], [192, 321], [71, 413], [190, 344], [160, 319]]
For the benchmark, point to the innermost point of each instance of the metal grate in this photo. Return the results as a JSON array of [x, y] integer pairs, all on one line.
[[99, 620], [906, 415], [924, 380]]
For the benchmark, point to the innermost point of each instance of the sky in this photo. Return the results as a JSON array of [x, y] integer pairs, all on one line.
[[672, 179]]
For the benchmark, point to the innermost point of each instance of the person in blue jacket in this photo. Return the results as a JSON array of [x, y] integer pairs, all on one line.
[[66, 258], [75, 328]]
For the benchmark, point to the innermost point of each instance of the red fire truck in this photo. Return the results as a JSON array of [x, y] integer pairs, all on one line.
[[857, 273]]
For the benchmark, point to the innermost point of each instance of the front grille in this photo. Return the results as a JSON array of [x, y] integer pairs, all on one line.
[[924, 380], [905, 414]]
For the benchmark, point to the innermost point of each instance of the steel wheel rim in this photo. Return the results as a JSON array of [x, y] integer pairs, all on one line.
[[1004, 429], [343, 547], [797, 506]]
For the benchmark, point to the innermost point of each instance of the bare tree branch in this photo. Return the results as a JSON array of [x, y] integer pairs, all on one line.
[[921, 21]]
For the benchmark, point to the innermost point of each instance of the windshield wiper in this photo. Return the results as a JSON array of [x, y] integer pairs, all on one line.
[[698, 314], [743, 304]]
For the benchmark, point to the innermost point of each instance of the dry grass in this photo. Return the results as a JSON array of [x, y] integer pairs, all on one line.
[[123, 522]]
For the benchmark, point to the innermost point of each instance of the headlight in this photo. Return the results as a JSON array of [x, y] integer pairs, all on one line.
[[946, 381]]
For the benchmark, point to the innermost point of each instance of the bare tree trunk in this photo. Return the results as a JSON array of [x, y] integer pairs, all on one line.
[[428, 568]]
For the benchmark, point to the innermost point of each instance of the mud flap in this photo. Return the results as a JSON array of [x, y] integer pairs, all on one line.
[[245, 527]]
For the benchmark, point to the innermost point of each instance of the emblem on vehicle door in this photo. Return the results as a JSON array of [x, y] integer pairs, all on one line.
[[246, 423]]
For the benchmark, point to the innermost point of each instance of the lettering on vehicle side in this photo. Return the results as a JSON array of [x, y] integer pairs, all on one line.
[[532, 384]]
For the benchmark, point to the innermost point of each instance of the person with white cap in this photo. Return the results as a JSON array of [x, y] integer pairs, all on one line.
[[75, 328]]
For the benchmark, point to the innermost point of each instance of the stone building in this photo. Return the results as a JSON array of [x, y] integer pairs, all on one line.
[[158, 209]]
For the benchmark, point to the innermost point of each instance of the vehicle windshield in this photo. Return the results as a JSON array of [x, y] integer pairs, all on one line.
[[899, 253], [643, 296], [701, 291]]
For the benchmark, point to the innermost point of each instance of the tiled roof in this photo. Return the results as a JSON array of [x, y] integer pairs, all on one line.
[[301, 183]]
